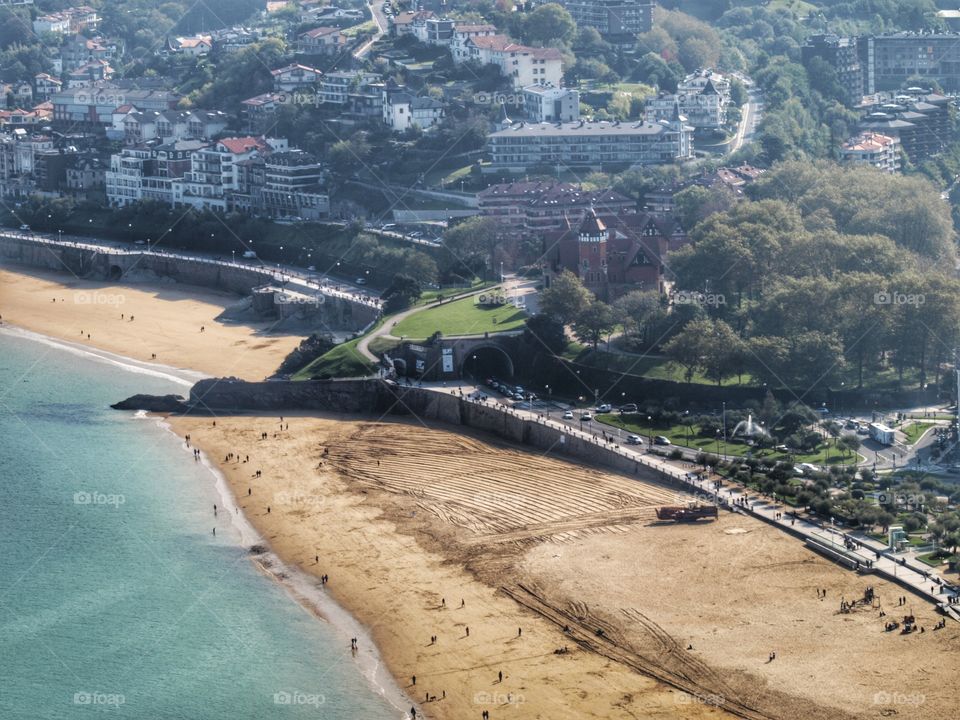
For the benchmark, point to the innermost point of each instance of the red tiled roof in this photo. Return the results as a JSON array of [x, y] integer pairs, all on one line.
[[240, 145]]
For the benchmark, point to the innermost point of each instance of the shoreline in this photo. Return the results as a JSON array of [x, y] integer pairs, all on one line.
[[299, 586]]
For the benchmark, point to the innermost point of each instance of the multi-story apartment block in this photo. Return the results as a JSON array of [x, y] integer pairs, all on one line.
[[403, 23], [526, 209], [140, 126], [78, 50], [71, 20], [463, 32], [850, 57], [336, 86], [91, 108], [870, 148], [45, 85], [248, 174], [523, 65], [295, 77], [614, 19], [548, 103], [921, 121], [901, 56], [589, 144]]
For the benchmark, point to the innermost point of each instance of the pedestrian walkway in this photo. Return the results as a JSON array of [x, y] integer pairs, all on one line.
[[872, 555]]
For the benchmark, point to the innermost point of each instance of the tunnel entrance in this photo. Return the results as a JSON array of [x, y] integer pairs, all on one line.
[[485, 362], [115, 272]]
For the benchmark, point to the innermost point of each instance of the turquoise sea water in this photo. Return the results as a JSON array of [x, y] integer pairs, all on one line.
[[115, 597]]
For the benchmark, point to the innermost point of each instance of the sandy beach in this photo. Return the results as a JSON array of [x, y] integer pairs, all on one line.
[[158, 319], [465, 557], [409, 521]]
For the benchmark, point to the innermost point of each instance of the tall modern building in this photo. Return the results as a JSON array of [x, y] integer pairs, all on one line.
[[850, 57], [521, 146], [901, 56], [612, 18]]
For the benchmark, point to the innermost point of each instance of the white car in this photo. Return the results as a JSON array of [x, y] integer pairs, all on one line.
[[586, 417], [605, 408], [568, 415], [634, 440]]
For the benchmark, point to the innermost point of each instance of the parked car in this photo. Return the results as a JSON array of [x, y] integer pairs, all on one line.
[[605, 408], [661, 440], [518, 396], [629, 408], [634, 440], [568, 415], [361, 281]]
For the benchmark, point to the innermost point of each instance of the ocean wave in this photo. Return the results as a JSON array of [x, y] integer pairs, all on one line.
[[179, 376]]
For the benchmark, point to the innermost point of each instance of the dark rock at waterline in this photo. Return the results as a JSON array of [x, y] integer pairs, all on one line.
[[153, 403]]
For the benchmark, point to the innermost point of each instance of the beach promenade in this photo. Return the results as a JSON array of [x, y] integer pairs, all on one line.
[[852, 547]]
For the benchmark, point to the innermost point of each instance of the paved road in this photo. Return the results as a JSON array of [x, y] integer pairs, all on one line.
[[752, 112], [376, 10]]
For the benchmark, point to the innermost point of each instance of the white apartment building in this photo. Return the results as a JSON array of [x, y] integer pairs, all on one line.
[[523, 65], [703, 98], [463, 32], [871, 148], [548, 103], [403, 111]]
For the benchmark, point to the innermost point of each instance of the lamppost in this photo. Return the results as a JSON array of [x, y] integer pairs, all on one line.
[[724, 422], [549, 400], [650, 430]]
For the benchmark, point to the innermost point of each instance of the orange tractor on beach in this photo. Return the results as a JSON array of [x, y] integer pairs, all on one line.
[[690, 513]]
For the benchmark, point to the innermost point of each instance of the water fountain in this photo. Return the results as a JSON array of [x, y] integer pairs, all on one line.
[[749, 429]]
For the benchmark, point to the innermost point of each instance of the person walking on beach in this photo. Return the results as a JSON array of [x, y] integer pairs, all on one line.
[[413, 680], [500, 676], [468, 631]]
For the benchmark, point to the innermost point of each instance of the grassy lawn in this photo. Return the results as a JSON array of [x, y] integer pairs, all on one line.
[[651, 366], [915, 430], [342, 361], [449, 179], [429, 296], [460, 317], [934, 559], [383, 344], [688, 437]]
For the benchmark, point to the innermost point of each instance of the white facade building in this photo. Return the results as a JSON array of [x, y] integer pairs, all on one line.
[[547, 103]]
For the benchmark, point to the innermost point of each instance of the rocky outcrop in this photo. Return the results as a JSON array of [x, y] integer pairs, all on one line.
[[153, 403]]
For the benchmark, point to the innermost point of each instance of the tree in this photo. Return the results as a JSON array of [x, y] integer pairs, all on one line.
[[549, 24], [473, 243], [348, 156], [545, 334], [849, 443], [565, 299], [593, 322], [686, 349], [401, 293], [634, 311]]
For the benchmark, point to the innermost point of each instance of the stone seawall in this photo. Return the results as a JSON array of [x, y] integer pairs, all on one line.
[[109, 264], [381, 398]]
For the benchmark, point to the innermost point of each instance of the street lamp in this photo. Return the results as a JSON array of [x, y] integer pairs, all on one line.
[[549, 400], [650, 429]]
